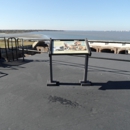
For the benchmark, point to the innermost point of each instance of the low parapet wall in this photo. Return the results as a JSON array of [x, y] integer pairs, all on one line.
[[116, 47], [111, 47]]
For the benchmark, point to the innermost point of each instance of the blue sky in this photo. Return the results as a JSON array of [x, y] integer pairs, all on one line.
[[65, 14]]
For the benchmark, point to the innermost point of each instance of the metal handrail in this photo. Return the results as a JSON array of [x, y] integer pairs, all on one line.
[[13, 48], [20, 40]]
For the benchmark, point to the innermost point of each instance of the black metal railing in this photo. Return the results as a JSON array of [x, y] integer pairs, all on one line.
[[11, 48]]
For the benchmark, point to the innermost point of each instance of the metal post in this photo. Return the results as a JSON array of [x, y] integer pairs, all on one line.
[[51, 73], [86, 68], [6, 49], [0, 53], [16, 47], [22, 49], [51, 82], [8, 41], [20, 45], [12, 49], [85, 82]]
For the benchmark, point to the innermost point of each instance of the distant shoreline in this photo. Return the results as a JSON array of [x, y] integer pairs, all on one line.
[[11, 31], [23, 31]]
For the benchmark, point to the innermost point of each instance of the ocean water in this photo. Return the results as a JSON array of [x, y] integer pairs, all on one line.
[[90, 35]]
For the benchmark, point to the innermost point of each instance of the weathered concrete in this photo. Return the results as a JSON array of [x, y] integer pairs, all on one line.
[[26, 103], [42, 49], [115, 47]]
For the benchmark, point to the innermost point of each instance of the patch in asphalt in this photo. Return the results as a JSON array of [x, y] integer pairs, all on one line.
[[63, 101]]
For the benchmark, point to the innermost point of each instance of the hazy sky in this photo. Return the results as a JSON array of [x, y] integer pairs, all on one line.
[[65, 14]]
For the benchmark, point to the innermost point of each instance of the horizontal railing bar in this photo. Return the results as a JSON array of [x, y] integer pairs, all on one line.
[[31, 50]]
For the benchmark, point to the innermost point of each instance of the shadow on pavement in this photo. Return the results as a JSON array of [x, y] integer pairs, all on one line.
[[3, 74], [111, 85], [14, 63], [18, 63]]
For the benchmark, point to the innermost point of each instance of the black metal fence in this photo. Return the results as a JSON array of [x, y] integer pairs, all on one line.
[[11, 49]]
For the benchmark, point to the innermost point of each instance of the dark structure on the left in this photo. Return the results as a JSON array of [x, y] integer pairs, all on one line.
[[12, 50]]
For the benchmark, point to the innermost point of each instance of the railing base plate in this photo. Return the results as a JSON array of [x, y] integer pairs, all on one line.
[[53, 83], [86, 83]]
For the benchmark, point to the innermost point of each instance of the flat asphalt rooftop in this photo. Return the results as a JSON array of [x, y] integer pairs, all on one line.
[[27, 103]]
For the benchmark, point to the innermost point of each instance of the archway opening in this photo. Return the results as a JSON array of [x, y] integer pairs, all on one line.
[[107, 51], [123, 52], [93, 49]]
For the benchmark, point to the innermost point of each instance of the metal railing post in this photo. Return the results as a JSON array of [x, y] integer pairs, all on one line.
[[0, 53], [20, 46], [12, 45], [6, 49], [22, 49]]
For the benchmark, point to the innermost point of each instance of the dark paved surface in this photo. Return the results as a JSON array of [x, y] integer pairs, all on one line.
[[26, 103]]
